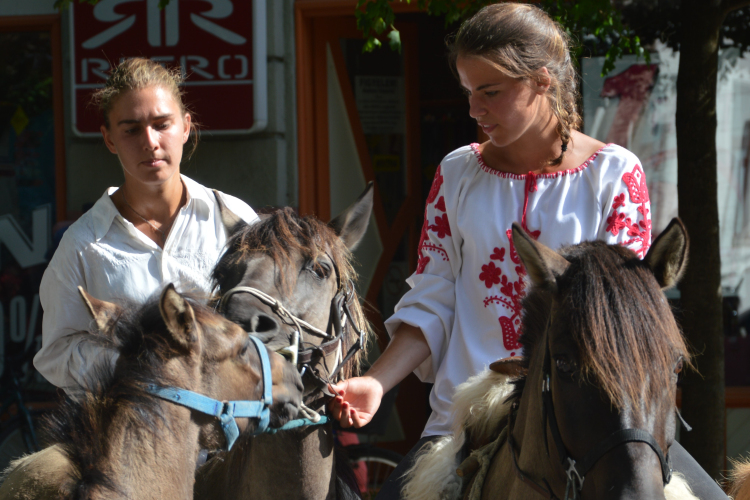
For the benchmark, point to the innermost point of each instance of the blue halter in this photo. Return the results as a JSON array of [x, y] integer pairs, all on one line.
[[227, 411]]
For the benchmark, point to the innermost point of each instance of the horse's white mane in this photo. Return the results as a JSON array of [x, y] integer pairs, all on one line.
[[480, 407]]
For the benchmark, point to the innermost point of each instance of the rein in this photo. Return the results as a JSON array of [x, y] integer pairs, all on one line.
[[576, 471], [227, 411]]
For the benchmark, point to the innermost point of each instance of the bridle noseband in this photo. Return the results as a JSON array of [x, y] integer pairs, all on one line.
[[227, 411], [576, 471]]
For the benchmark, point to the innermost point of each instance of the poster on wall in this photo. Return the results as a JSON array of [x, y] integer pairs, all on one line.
[[219, 45], [634, 106], [27, 198]]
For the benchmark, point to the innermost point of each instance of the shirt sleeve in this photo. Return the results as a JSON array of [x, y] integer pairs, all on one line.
[[67, 356], [430, 303], [626, 207]]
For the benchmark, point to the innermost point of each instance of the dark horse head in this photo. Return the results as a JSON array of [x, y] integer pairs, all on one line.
[[289, 281], [601, 342]]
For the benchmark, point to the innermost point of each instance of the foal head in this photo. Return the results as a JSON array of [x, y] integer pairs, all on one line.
[[305, 265], [596, 317], [175, 341]]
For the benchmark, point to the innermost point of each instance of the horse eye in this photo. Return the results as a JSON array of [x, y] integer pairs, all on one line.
[[321, 270], [565, 365], [678, 367], [243, 351]]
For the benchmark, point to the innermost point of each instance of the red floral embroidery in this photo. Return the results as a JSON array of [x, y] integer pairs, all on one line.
[[437, 183], [491, 275], [498, 254], [511, 292], [440, 205], [639, 232], [619, 201], [441, 227]]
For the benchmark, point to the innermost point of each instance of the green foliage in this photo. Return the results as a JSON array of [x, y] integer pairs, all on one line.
[[595, 25]]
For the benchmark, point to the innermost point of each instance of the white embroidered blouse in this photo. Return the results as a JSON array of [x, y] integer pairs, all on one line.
[[113, 261], [466, 293]]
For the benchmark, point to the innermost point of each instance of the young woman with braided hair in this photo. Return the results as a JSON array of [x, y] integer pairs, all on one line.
[[463, 309]]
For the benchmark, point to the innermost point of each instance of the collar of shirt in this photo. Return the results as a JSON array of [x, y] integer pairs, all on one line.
[[106, 210]]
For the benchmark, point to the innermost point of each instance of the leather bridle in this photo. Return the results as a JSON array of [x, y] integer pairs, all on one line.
[[576, 471], [320, 364]]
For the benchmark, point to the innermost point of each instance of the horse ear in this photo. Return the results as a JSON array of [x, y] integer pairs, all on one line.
[[668, 255], [232, 222], [543, 264], [512, 367], [351, 224], [178, 316], [102, 312]]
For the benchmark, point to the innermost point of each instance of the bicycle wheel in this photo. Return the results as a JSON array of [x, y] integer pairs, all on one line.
[[378, 464], [14, 442]]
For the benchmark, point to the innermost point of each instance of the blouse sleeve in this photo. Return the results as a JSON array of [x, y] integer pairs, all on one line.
[[67, 357], [626, 207], [430, 303]]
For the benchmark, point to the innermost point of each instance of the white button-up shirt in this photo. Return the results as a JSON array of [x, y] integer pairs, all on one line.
[[112, 260]]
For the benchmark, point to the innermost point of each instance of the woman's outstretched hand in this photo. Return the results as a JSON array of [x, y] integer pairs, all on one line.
[[357, 399]]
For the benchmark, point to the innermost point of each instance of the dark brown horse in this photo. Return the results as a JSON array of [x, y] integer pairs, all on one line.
[[289, 281], [121, 440], [591, 413]]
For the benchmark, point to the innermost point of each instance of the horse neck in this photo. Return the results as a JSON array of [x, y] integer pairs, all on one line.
[[533, 458], [152, 463], [294, 464]]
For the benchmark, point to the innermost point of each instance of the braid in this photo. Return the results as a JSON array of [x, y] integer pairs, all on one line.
[[521, 39]]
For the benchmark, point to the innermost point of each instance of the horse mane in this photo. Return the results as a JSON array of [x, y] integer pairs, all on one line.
[[737, 482], [80, 426], [280, 235], [611, 304]]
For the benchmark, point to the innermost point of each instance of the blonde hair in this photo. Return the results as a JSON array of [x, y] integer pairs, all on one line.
[[139, 73], [520, 39]]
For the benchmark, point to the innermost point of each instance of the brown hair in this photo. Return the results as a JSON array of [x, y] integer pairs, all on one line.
[[139, 73], [520, 39]]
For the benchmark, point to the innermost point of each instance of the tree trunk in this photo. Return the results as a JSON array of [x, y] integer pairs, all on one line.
[[702, 391]]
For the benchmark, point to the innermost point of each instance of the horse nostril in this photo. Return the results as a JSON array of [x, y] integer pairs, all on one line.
[[262, 324]]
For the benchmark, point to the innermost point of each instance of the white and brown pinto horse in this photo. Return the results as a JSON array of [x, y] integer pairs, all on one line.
[[590, 411]]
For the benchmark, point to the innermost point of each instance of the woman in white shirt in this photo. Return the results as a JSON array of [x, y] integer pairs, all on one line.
[[157, 227], [463, 309]]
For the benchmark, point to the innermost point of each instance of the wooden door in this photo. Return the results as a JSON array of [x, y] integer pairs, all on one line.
[[358, 122]]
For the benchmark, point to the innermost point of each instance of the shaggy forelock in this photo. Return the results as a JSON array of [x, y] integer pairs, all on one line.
[[283, 236], [611, 304]]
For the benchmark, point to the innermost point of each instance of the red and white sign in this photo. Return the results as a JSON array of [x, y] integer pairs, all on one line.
[[219, 44]]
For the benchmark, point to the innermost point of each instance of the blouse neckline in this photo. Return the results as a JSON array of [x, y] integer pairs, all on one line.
[[550, 175]]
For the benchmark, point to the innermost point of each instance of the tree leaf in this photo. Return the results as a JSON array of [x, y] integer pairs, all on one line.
[[394, 40]]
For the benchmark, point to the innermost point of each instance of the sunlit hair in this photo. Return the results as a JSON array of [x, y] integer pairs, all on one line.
[[520, 39], [139, 73]]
